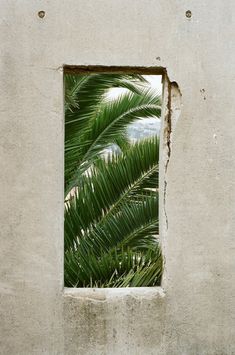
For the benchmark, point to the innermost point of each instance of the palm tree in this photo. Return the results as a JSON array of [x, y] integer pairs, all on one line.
[[111, 219]]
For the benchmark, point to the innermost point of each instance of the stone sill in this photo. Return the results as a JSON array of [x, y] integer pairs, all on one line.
[[102, 294]]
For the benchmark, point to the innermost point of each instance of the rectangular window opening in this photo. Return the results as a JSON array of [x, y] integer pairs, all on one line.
[[111, 177]]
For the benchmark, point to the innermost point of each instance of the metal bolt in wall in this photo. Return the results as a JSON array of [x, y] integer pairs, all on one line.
[[188, 14], [41, 14]]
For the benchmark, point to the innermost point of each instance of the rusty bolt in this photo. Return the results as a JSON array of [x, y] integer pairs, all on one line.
[[41, 14], [188, 14]]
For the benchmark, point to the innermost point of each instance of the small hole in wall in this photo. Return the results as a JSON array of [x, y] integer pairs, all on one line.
[[112, 143]]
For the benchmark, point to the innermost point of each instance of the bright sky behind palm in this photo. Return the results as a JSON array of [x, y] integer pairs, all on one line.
[[154, 80]]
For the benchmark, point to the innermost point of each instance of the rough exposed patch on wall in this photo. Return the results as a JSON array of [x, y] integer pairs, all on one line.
[[172, 101], [86, 69], [171, 108]]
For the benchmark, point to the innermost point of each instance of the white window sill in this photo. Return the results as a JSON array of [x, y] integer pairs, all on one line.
[[102, 294]]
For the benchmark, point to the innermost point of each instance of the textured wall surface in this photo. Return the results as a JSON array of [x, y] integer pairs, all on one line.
[[194, 313]]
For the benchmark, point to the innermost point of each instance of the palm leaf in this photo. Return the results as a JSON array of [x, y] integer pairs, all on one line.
[[107, 127], [109, 186], [119, 269], [111, 212]]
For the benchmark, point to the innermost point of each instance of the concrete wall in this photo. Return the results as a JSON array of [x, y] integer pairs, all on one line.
[[194, 311]]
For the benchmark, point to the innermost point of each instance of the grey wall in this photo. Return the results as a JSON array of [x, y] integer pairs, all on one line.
[[194, 312]]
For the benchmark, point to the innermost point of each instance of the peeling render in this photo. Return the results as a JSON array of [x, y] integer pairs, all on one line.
[[166, 121], [171, 108], [171, 111]]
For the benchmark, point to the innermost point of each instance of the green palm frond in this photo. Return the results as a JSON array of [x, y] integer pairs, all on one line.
[[73, 84], [118, 269], [103, 221], [107, 127], [111, 184], [123, 230], [83, 94], [111, 208]]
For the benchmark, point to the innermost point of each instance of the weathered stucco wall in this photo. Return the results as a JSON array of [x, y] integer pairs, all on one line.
[[195, 312]]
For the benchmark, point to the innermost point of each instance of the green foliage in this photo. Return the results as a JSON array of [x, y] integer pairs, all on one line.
[[94, 122], [111, 207]]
